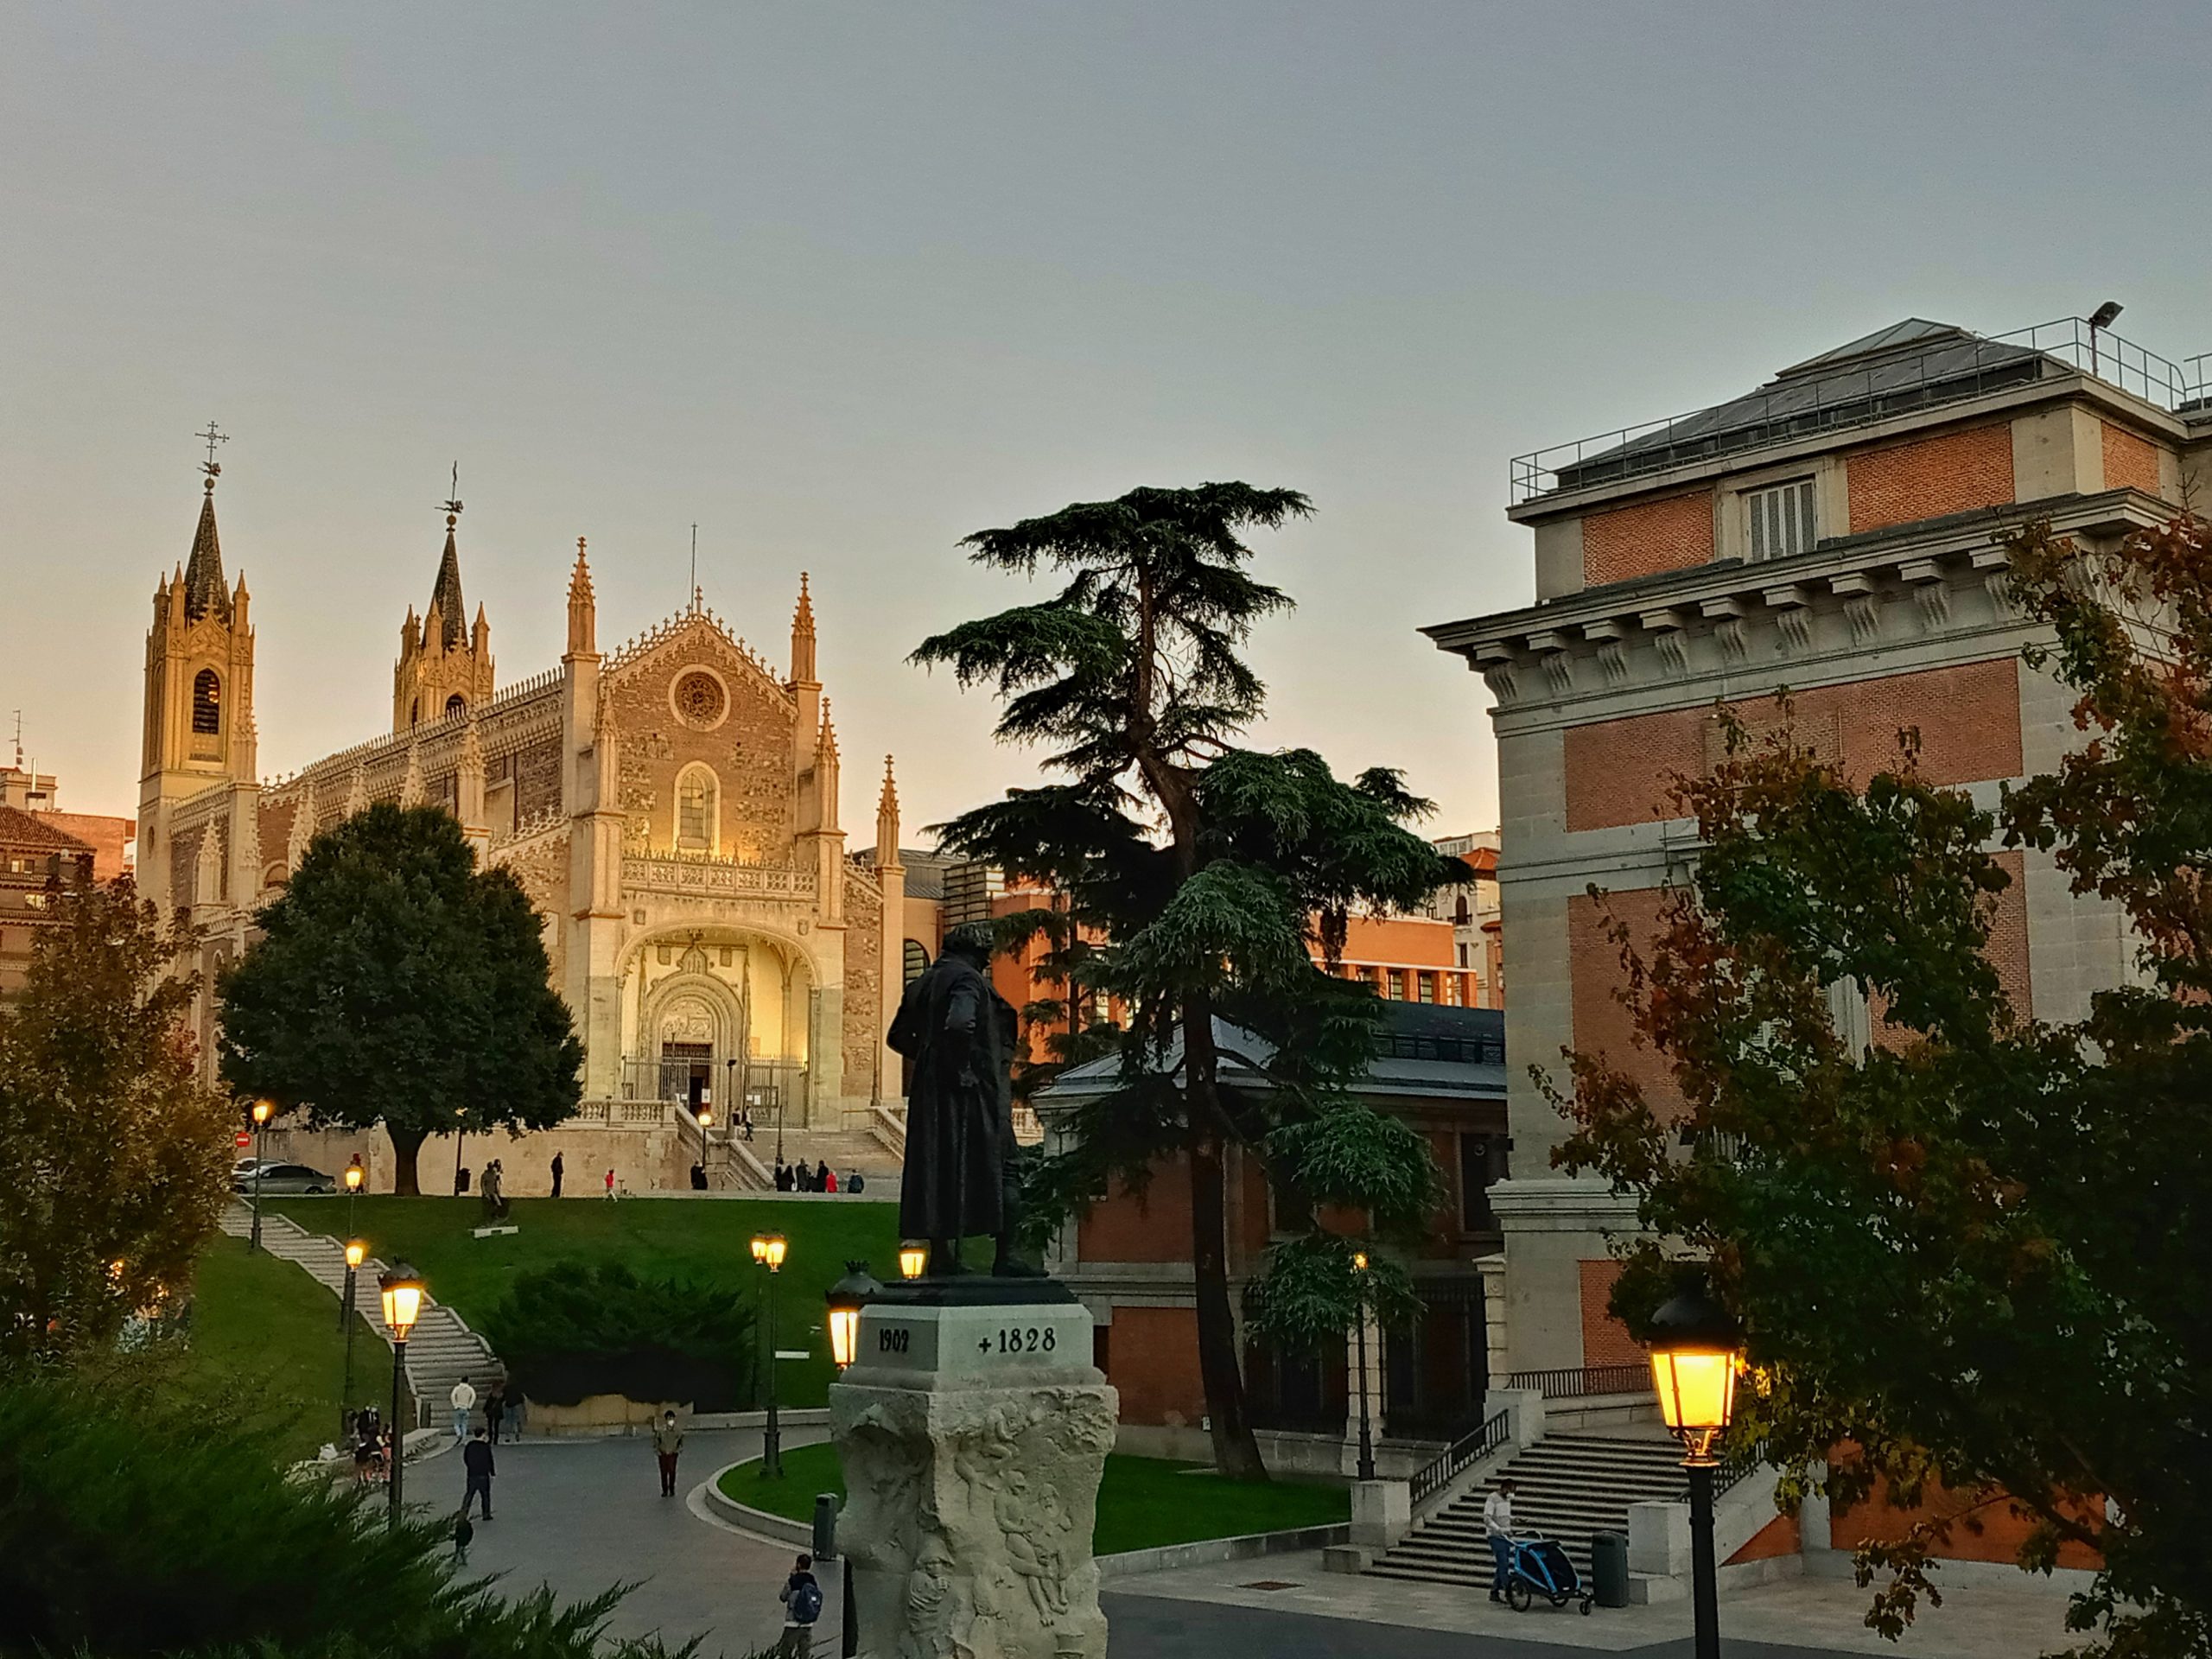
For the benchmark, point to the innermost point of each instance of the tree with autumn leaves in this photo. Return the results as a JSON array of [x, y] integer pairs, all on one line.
[[1970, 1255]]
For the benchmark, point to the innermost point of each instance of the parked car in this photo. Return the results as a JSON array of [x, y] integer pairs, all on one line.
[[284, 1180], [243, 1169]]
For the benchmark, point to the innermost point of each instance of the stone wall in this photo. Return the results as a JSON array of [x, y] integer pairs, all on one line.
[[743, 733], [864, 989]]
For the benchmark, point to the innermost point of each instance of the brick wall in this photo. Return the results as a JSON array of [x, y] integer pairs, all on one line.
[[2131, 462], [1153, 1358], [1969, 718], [1606, 1340], [1647, 538], [1997, 1536], [1153, 1225], [1926, 477], [1602, 1022]]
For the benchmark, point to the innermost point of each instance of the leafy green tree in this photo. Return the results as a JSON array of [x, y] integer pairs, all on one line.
[[1206, 870], [139, 1517], [1970, 1254], [114, 1159], [395, 982]]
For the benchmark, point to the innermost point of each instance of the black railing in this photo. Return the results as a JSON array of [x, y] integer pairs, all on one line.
[[1579, 1383], [1461, 1455]]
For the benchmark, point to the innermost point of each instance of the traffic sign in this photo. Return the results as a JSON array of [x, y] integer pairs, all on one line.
[[242, 1139]]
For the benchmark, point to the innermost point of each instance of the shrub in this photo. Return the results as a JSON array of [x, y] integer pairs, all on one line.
[[576, 1328], [139, 1517]]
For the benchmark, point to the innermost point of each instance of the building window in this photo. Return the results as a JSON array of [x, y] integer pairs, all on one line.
[[1452, 995], [1481, 1162], [917, 961], [1782, 520], [456, 704], [1460, 914], [1395, 985], [207, 704], [696, 793], [1425, 986]]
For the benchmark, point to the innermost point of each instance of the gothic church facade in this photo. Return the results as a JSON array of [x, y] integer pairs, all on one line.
[[672, 808]]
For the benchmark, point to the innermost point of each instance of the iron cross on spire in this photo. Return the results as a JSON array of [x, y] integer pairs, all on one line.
[[453, 504], [211, 437]]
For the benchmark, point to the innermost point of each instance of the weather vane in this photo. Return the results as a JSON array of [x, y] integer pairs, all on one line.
[[453, 504], [211, 437]]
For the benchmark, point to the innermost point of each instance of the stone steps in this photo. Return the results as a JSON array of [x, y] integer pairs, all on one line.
[[441, 1351], [1566, 1486]]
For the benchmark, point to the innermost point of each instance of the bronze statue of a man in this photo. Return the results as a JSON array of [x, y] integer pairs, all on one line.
[[960, 1033]]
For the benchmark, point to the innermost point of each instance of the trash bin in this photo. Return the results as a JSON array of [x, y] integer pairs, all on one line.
[[1609, 1568], [825, 1528]]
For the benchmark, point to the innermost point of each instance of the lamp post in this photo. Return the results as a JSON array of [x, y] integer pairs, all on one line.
[[262, 1111], [845, 1297], [706, 1115], [913, 1259], [729, 1092], [768, 1250], [356, 1253], [1696, 1346], [401, 1288], [459, 1140], [1366, 1430], [354, 1177]]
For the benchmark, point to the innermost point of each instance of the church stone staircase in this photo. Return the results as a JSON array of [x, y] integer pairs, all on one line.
[[1566, 1486]]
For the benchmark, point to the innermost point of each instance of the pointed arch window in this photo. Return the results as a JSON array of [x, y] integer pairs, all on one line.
[[207, 704], [698, 799], [456, 704]]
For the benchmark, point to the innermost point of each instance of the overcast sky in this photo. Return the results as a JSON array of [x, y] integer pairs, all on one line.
[[842, 283]]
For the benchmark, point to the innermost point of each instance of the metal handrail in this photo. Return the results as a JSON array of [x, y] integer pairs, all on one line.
[[1578, 1382], [1469, 1449], [1854, 398]]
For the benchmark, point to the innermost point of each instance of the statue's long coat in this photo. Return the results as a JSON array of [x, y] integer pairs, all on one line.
[[960, 1033]]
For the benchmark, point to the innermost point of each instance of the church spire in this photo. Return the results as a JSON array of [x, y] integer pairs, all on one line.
[[803, 637], [204, 592], [887, 822], [583, 621], [446, 603]]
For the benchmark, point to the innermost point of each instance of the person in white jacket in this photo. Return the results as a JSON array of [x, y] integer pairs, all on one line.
[[463, 1400], [1498, 1522]]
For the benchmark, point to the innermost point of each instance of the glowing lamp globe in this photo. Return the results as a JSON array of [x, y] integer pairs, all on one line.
[[356, 1252], [845, 1297], [913, 1259], [401, 1286], [768, 1250], [706, 1118], [1696, 1348], [353, 1176], [263, 1110]]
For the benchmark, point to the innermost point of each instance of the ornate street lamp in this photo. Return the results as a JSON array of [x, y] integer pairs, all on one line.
[[1366, 1429], [356, 1253], [263, 1110], [354, 1177], [913, 1259], [401, 1288], [845, 1297], [768, 1250], [1696, 1348]]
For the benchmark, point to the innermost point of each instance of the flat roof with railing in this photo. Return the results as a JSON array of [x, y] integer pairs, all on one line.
[[1910, 365]]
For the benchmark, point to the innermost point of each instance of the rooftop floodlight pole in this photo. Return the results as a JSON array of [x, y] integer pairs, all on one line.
[[2103, 317]]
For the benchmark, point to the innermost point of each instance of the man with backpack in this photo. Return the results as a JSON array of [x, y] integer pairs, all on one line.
[[802, 1598]]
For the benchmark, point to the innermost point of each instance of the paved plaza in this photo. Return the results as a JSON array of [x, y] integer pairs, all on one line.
[[580, 1515]]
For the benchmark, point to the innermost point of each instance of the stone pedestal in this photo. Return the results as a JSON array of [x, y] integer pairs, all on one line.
[[973, 1429]]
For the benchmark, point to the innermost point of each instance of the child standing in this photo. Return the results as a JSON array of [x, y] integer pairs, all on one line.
[[463, 1534]]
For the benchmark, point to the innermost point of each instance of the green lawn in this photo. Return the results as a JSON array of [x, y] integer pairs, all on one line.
[[708, 1240], [1142, 1501], [263, 1329]]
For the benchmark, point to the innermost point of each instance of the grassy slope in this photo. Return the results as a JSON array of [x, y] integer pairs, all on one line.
[[1142, 1501], [262, 1328], [703, 1239]]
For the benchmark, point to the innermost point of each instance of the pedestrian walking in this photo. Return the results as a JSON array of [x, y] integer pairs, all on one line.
[[823, 1180], [668, 1441], [476, 1460], [365, 1450], [463, 1401], [610, 1184], [1498, 1522], [463, 1535], [802, 1598], [558, 1170], [495, 1408]]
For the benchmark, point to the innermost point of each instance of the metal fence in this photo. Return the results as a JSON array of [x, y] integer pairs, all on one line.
[[765, 1088], [1579, 1383]]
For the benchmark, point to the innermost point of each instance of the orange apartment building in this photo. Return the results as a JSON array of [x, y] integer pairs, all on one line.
[[1831, 530], [44, 851]]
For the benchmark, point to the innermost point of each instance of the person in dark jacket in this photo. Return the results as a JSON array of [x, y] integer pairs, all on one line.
[[823, 1183], [495, 1408], [476, 1459], [559, 1169]]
